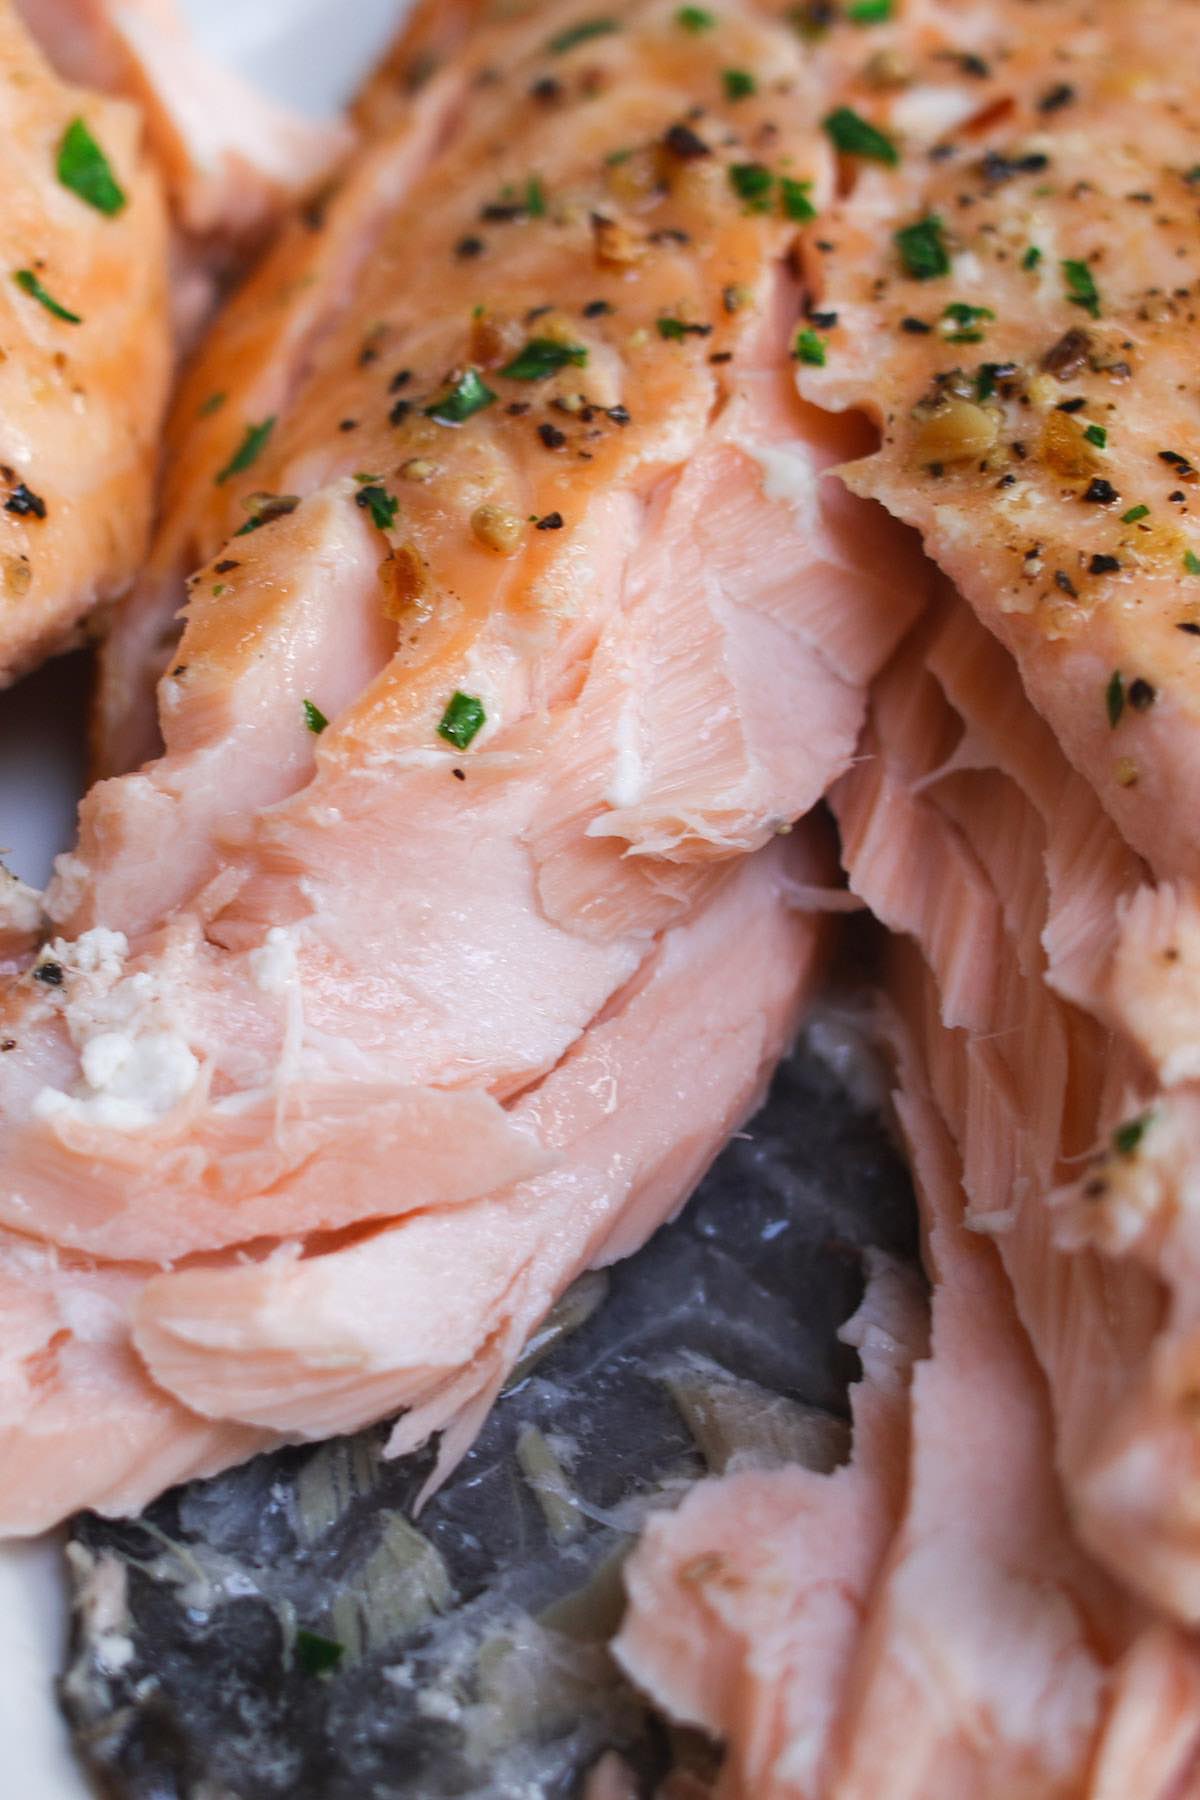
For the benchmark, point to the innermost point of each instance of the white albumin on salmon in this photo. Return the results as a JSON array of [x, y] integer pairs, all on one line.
[[445, 942], [84, 351]]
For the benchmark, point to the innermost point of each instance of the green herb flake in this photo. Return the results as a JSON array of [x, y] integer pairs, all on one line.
[[535, 198], [695, 19], [29, 284], [544, 356], [810, 348], [1031, 258], [381, 505], [985, 380], [795, 198], [1114, 698], [316, 721], [248, 451], [84, 168], [869, 12], [1081, 288], [1134, 514], [317, 1655], [922, 249], [1128, 1136], [676, 330], [213, 404], [752, 182], [462, 720], [1191, 562], [469, 395], [739, 84], [966, 321], [856, 136], [580, 34], [1096, 434]]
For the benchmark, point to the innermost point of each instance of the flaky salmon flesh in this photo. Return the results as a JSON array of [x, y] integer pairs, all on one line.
[[454, 926], [444, 908]]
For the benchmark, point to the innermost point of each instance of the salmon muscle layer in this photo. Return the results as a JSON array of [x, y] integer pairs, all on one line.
[[919, 1623], [523, 625], [1051, 967], [229, 156], [86, 353], [1015, 296]]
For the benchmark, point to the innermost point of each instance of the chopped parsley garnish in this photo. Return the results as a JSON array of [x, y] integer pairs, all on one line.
[[469, 395], [317, 1655], [462, 720], [29, 284], [795, 199], [678, 329], [856, 136], [1134, 514], [248, 451], [213, 404], [966, 320], [84, 168], [1031, 258], [988, 374], [381, 505], [542, 357], [1191, 562], [1096, 434], [752, 182], [810, 348], [1127, 1137], [869, 12], [695, 18], [922, 248], [314, 718], [1114, 698], [580, 34], [1081, 288], [535, 197], [739, 84]]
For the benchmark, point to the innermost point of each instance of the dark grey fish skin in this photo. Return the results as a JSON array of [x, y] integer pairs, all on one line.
[[470, 1643]]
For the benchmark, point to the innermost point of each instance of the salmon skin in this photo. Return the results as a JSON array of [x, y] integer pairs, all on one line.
[[481, 752], [714, 1344], [87, 353]]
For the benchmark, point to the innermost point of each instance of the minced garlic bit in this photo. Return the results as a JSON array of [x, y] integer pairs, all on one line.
[[497, 528]]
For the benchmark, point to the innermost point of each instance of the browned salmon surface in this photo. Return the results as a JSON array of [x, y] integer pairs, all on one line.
[[84, 351], [1015, 289], [455, 926]]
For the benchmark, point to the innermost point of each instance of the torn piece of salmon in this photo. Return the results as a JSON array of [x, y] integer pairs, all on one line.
[[967, 833], [475, 744], [431, 1312], [746, 1603], [982, 1667], [527, 216], [230, 157], [1015, 305], [86, 356]]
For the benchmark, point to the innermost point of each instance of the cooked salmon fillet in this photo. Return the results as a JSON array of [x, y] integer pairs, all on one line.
[[86, 351], [1015, 287], [520, 626], [967, 830], [920, 1624]]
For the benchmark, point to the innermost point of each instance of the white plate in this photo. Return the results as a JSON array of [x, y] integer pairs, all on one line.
[[311, 53]]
